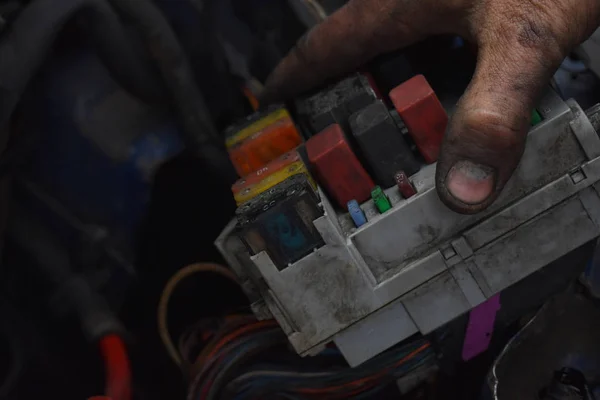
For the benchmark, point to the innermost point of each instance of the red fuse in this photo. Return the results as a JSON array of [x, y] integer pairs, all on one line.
[[337, 168], [406, 187], [423, 115]]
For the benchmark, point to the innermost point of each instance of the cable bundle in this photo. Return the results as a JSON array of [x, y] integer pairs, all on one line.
[[249, 359], [240, 358]]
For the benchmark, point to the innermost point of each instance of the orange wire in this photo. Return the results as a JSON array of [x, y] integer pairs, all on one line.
[[369, 378], [251, 98], [163, 304]]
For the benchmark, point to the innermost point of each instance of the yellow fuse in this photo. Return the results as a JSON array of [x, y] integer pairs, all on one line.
[[293, 169], [257, 126]]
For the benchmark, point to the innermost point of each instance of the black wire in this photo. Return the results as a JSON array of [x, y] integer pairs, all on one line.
[[26, 44], [240, 356], [199, 132], [208, 372], [285, 385], [376, 364], [270, 340], [339, 378]]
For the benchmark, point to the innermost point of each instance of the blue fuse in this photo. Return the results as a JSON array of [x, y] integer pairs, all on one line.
[[357, 213]]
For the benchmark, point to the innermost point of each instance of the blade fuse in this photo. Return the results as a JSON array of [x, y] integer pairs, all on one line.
[[382, 144], [407, 189], [382, 202], [423, 115], [262, 141], [272, 174], [337, 168], [357, 214], [280, 222], [257, 176], [253, 124]]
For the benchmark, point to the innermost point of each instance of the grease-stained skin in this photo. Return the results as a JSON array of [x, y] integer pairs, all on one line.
[[520, 45]]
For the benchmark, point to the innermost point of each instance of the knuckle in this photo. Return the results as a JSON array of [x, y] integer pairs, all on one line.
[[541, 32], [542, 38], [490, 134], [547, 27], [533, 34], [551, 25]]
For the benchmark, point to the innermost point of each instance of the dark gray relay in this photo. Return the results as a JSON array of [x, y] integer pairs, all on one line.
[[335, 104], [381, 144]]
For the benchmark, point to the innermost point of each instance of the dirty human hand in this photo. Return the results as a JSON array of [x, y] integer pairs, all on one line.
[[520, 45]]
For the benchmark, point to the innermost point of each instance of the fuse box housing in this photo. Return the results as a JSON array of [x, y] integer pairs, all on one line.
[[420, 265]]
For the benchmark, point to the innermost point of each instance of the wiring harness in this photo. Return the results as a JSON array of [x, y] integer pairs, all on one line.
[[240, 358]]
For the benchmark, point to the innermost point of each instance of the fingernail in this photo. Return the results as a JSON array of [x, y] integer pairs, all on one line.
[[469, 182]]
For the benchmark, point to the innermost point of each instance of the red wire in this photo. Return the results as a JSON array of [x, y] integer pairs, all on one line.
[[368, 378], [238, 332], [208, 385], [116, 362], [228, 338]]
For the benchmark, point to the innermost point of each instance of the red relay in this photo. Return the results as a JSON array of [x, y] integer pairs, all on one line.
[[337, 168], [423, 115]]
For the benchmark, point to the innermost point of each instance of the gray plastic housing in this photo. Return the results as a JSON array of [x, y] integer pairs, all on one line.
[[420, 265]]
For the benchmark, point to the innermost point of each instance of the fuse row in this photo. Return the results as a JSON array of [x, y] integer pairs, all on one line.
[[277, 196]]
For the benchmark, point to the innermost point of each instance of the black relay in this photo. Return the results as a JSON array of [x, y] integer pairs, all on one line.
[[382, 144], [335, 104]]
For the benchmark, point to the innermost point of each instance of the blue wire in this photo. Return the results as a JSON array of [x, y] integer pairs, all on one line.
[[253, 384]]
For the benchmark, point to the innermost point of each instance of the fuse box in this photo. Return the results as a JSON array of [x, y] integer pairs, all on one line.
[[382, 264]]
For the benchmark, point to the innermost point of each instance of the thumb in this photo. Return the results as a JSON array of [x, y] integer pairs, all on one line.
[[486, 136]]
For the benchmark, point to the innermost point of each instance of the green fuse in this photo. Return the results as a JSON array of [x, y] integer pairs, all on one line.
[[536, 118], [380, 199]]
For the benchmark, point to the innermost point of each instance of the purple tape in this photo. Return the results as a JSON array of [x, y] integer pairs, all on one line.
[[480, 328]]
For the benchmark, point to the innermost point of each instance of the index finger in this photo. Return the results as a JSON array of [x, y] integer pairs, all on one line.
[[347, 39]]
